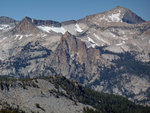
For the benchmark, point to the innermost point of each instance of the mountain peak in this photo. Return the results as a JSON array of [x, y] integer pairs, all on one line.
[[67, 34], [127, 16], [6, 20], [25, 27], [118, 14], [120, 7], [27, 18]]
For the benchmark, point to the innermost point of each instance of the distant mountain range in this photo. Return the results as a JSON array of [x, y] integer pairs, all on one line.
[[108, 52]]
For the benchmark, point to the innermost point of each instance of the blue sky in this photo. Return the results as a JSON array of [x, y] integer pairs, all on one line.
[[61, 10]]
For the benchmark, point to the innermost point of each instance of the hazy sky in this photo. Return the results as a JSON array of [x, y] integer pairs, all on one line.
[[61, 10]]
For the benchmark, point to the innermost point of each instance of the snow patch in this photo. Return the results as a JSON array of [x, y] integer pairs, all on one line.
[[115, 17], [92, 42], [28, 35], [97, 36], [44, 35], [20, 37], [1, 59], [32, 20], [101, 39], [120, 43], [104, 18], [113, 35], [3, 39], [5, 27], [78, 28], [16, 37], [55, 29]]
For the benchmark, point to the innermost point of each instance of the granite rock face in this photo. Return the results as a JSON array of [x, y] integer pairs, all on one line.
[[38, 95]]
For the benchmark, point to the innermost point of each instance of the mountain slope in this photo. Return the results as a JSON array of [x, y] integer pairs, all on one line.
[[38, 95], [58, 94]]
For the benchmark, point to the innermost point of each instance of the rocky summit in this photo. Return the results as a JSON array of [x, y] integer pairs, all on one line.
[[108, 52]]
